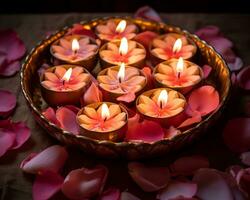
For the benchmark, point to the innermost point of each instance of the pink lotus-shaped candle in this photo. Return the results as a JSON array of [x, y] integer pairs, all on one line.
[[128, 52], [161, 104], [121, 80], [179, 74], [76, 49], [64, 84], [171, 45], [114, 30], [103, 121]]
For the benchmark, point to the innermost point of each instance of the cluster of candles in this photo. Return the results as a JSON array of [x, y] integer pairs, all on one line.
[[121, 59]]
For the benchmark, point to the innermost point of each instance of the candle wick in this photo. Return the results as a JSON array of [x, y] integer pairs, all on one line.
[[161, 104], [178, 75]]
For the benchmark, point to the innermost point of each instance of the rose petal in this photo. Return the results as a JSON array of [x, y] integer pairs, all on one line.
[[150, 79], [10, 68], [128, 97], [128, 196], [147, 131], [145, 38], [67, 120], [236, 65], [50, 114], [46, 185], [243, 79], [92, 95], [7, 103], [243, 180], [188, 165], [150, 179], [245, 158], [55, 157], [208, 31], [171, 132], [110, 194], [85, 183], [147, 13], [79, 30], [206, 70], [177, 189], [239, 142], [6, 141], [204, 100], [194, 119], [211, 185]]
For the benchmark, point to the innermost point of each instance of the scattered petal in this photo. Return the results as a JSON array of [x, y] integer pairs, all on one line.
[[50, 114], [128, 97], [150, 79], [171, 132], [245, 158], [6, 141], [128, 196], [92, 95], [194, 119], [55, 157], [145, 38], [239, 142], [46, 185], [150, 179], [7, 103], [206, 70], [85, 183], [243, 79], [147, 13], [110, 194], [79, 30]]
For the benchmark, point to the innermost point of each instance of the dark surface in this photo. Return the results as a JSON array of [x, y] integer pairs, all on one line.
[[16, 185]]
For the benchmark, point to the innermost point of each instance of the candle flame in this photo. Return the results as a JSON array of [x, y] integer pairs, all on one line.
[[67, 75], [121, 26], [121, 72], [75, 45], [162, 99], [105, 114], [123, 49], [177, 45], [179, 66]]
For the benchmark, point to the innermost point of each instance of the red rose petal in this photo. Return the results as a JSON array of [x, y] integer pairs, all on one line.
[[22, 133], [177, 189], [206, 70], [92, 95], [85, 183], [207, 32], [194, 119], [188, 165], [171, 132], [9, 69], [128, 97], [211, 185], [73, 108], [11, 44], [149, 178], [147, 131], [50, 114], [46, 185], [243, 179], [6, 141], [128, 196], [204, 100], [79, 30], [67, 120], [147, 13], [7, 103], [245, 158], [150, 79], [243, 79], [236, 134], [110, 194], [145, 38], [51, 159]]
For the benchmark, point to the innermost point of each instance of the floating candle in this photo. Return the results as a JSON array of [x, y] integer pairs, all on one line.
[[119, 80], [76, 49], [64, 84], [103, 121], [171, 45], [115, 30], [178, 74], [128, 52], [161, 104]]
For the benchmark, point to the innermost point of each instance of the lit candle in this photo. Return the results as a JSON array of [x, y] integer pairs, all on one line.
[[119, 80], [115, 30], [161, 105], [76, 49], [64, 84], [171, 45], [178, 74], [103, 121], [129, 52]]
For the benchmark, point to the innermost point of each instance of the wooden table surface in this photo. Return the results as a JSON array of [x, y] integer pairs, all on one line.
[[16, 185]]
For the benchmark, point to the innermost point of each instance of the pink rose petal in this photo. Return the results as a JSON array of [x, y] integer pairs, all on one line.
[[128, 196], [194, 119], [145, 38], [85, 183], [7, 103], [128, 97], [147, 13], [110, 194], [50, 114], [236, 134], [211, 185], [79, 30], [149, 178], [27, 159], [245, 158], [147, 131], [243, 79], [188, 165], [51, 159], [204, 100], [243, 180], [67, 120], [46, 185], [171, 132], [6, 141], [9, 69], [236, 64], [92, 95], [208, 31], [206, 70], [150, 79], [178, 189]]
